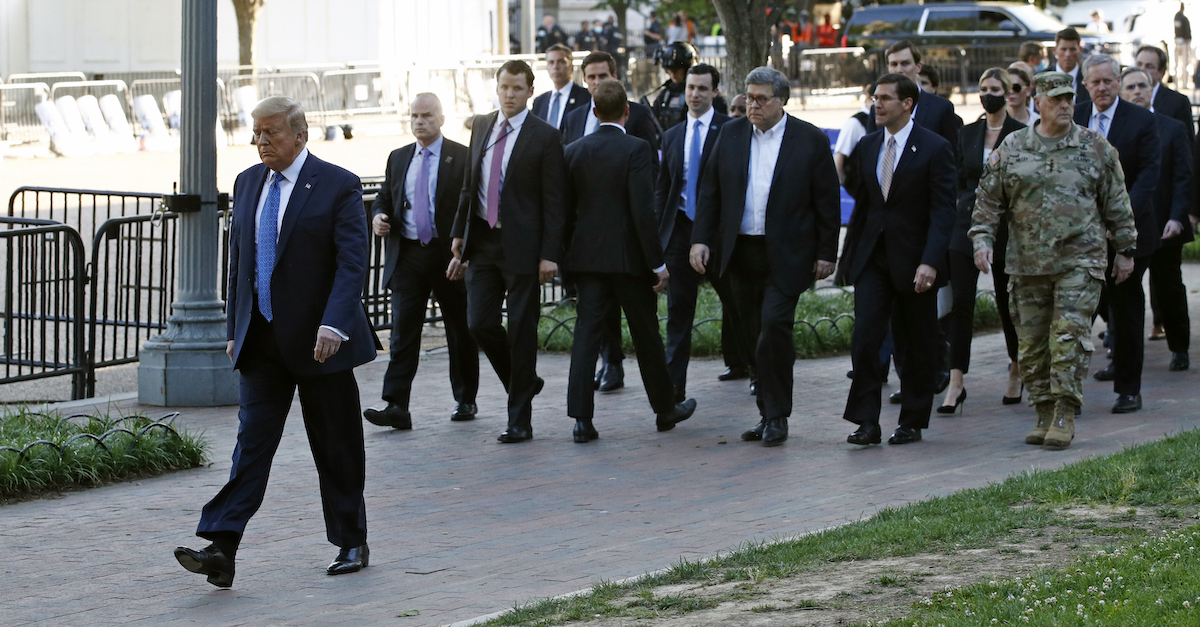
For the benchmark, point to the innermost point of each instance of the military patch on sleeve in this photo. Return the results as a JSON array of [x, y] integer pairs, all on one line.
[[994, 158]]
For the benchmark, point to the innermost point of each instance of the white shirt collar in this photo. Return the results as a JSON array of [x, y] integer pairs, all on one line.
[[772, 132], [566, 91], [435, 148], [612, 124], [901, 135], [1112, 108], [516, 121], [291, 172], [706, 119]]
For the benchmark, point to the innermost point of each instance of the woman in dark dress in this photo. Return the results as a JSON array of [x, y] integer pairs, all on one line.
[[976, 142]]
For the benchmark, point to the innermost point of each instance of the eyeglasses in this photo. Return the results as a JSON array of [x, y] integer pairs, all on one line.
[[761, 101]]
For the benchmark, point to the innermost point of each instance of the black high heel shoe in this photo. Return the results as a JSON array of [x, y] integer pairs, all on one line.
[[959, 402], [1013, 400]]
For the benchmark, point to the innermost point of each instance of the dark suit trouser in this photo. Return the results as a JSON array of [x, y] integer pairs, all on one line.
[[1000, 284], [512, 352], [1127, 321], [682, 291], [419, 271], [636, 296], [330, 406], [914, 325], [1169, 296], [611, 341], [960, 322], [769, 316]]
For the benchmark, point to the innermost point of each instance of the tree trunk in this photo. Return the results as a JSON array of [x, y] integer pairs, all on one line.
[[747, 39], [247, 18]]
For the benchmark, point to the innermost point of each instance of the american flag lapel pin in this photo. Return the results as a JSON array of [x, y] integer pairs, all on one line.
[[914, 148], [308, 186]]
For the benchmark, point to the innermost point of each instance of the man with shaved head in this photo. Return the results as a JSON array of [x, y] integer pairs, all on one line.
[[414, 212]]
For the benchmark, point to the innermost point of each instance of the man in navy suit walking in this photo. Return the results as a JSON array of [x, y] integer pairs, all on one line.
[[297, 266]]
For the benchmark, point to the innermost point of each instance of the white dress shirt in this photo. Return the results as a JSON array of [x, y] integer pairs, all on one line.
[[901, 143], [1153, 95], [517, 121], [690, 131], [592, 123], [408, 224], [764, 153], [615, 125], [1094, 120], [1074, 75], [286, 184], [563, 98]]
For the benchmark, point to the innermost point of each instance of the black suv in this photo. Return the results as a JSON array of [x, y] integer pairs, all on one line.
[[950, 24]]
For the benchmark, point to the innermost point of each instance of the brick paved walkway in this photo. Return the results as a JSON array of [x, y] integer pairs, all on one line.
[[462, 526]]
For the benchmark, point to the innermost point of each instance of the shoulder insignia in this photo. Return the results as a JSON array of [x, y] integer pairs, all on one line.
[[994, 158]]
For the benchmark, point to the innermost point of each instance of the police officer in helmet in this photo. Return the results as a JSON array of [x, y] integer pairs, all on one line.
[[670, 106]]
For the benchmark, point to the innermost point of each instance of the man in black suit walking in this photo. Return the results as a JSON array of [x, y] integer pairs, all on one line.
[[599, 67], [903, 215], [934, 113], [553, 106], [508, 236], [614, 256], [1067, 48], [686, 148], [1133, 131], [297, 266], [1163, 99], [769, 204], [1172, 204], [420, 197]]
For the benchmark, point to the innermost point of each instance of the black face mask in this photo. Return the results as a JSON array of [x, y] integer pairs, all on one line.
[[991, 102]]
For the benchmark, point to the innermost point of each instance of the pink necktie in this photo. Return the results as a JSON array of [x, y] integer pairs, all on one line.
[[493, 192]]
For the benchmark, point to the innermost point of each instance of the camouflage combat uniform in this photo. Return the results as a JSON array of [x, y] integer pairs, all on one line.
[[1059, 200]]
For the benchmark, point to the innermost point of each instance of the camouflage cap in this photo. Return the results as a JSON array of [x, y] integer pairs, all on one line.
[[1054, 84]]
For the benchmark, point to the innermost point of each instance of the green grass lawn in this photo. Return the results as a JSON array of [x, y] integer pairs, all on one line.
[[1138, 577], [68, 451], [824, 323]]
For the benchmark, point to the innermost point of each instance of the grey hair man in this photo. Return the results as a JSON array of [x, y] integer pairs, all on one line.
[[769, 213]]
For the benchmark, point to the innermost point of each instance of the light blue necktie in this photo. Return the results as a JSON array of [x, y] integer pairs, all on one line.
[[268, 234], [421, 202], [693, 172], [554, 109]]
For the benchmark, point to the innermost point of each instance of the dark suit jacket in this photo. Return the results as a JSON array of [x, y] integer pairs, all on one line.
[[641, 124], [672, 173], [1134, 133], [970, 169], [803, 214], [531, 199], [320, 267], [392, 200], [934, 113], [916, 218], [1177, 106], [610, 205], [1173, 196], [580, 98]]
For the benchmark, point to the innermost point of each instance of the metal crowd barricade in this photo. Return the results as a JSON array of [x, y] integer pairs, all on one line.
[[83, 209], [133, 283], [43, 309], [49, 78], [99, 89], [366, 94], [156, 87], [832, 71], [304, 87], [19, 122]]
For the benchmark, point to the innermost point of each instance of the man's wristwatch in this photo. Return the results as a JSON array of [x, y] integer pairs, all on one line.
[[1128, 252]]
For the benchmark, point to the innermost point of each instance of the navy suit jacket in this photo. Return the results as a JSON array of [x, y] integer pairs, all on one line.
[[320, 267], [580, 98], [916, 218], [672, 173], [1134, 133], [1177, 106], [641, 124], [803, 213], [1173, 196], [934, 113], [392, 199]]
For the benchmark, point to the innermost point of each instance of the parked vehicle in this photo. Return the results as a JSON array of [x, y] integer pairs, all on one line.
[[951, 23], [1131, 23]]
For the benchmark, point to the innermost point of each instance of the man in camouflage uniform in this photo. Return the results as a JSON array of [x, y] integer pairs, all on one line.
[[1061, 188]]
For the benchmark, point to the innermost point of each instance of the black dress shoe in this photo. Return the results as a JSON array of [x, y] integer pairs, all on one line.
[[753, 386], [755, 434], [598, 378], [537, 388], [849, 374], [775, 432], [682, 411], [464, 412], [1179, 361], [733, 374], [350, 560], [905, 435], [392, 416], [866, 434], [208, 561], [942, 382], [585, 432], [895, 398], [1127, 404], [613, 379], [512, 435], [1108, 374]]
